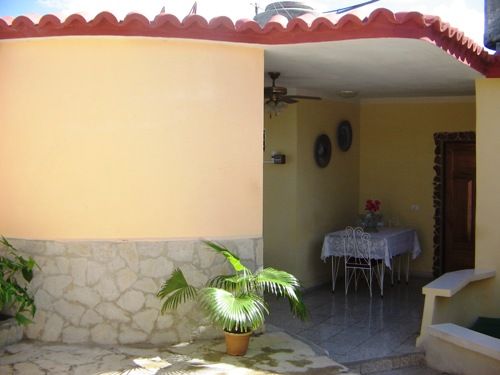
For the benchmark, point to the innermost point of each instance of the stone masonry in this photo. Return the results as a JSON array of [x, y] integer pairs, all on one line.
[[104, 292]]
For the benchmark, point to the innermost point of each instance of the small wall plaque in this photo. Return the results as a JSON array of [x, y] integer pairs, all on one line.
[[344, 135], [322, 150]]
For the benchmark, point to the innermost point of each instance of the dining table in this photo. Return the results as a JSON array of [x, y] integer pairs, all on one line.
[[386, 244]]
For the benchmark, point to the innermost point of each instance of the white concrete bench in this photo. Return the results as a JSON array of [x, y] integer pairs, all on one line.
[[462, 350], [452, 282], [467, 338], [451, 347], [446, 286]]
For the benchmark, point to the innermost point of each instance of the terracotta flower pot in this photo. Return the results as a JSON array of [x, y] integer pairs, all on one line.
[[237, 343]]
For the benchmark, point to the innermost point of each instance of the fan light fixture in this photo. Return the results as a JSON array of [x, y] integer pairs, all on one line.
[[277, 99], [275, 108]]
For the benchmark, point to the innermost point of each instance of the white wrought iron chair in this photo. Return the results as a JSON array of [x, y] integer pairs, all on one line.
[[357, 257]]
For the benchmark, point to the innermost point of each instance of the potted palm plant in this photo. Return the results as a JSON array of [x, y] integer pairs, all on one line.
[[234, 302]]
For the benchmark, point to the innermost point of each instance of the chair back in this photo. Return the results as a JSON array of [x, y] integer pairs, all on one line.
[[357, 249]]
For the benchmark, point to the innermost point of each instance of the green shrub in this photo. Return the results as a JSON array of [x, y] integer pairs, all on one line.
[[14, 293]]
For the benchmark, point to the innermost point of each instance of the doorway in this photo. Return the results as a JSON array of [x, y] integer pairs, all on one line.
[[454, 202]]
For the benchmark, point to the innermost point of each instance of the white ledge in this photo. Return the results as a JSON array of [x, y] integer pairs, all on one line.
[[467, 338], [451, 282]]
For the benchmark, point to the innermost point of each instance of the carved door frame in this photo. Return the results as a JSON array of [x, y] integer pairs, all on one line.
[[440, 140]]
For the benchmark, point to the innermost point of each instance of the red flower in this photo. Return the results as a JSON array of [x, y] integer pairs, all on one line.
[[372, 205]]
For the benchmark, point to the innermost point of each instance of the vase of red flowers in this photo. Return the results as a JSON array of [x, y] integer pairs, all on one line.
[[372, 218]]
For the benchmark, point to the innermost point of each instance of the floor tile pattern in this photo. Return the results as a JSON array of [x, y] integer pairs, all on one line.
[[355, 327]]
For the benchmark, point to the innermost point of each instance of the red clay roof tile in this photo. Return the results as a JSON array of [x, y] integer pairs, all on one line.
[[381, 23]]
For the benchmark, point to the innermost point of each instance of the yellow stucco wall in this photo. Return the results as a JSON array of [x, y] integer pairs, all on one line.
[[397, 158], [280, 191], [302, 202], [488, 202], [327, 197], [122, 137]]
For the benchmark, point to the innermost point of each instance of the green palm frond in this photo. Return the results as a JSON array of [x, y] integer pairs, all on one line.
[[234, 283], [227, 282], [297, 307], [282, 284], [231, 257], [175, 291], [277, 282], [238, 313]]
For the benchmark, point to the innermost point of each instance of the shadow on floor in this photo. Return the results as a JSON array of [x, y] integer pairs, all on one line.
[[354, 327], [268, 354]]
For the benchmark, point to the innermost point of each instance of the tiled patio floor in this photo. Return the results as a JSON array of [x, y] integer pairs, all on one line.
[[354, 327], [269, 353], [351, 328]]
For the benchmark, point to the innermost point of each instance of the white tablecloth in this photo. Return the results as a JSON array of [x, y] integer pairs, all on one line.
[[385, 244]]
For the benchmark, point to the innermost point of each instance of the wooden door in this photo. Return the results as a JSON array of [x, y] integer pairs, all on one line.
[[459, 206]]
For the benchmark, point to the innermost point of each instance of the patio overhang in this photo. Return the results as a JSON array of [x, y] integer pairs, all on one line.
[[373, 68]]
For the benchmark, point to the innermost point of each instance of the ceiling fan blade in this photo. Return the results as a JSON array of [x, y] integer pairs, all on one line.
[[288, 99], [304, 97]]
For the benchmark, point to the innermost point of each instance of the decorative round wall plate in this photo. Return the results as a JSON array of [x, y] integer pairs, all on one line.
[[322, 150], [344, 135]]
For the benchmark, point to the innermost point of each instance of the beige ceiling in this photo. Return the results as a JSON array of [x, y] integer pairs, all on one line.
[[376, 68]]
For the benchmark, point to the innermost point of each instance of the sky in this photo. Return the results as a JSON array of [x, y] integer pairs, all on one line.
[[466, 15]]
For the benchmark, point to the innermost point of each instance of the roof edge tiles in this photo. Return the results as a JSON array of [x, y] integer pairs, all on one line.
[[381, 23]]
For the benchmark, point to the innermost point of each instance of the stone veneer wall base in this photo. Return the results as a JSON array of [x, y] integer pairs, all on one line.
[[104, 292], [10, 332]]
